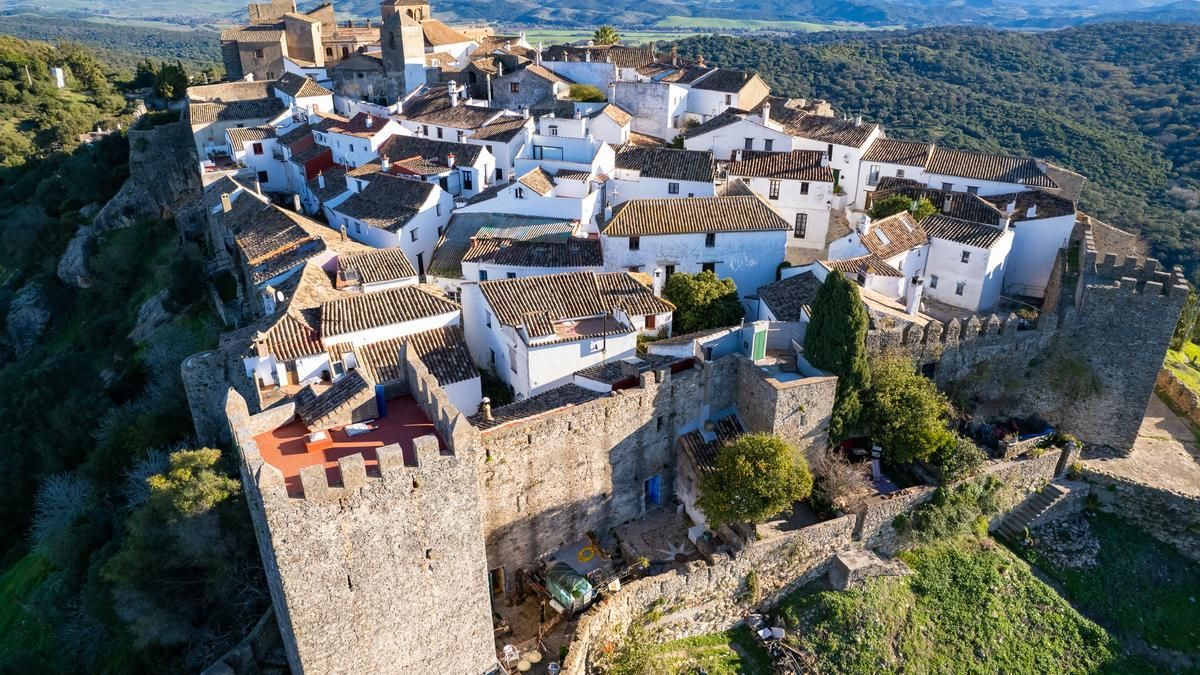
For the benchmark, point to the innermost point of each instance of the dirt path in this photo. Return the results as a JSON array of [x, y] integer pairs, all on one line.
[[1165, 454]]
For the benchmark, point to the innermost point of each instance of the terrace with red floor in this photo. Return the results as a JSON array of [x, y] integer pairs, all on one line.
[[285, 447]]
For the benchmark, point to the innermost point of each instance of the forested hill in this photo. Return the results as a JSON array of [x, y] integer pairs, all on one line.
[[1117, 102]]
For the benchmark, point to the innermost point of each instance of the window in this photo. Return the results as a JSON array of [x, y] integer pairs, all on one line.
[[424, 129], [439, 132], [258, 53], [708, 267], [651, 322], [804, 188], [769, 144], [467, 181], [960, 287], [487, 316], [270, 74], [440, 230], [728, 99], [511, 275], [710, 239], [635, 243], [947, 186], [499, 174], [391, 39], [329, 51], [553, 129], [972, 189], [966, 256], [519, 193], [668, 271], [635, 268], [673, 188], [412, 234], [774, 193], [514, 87], [444, 183], [800, 230], [749, 144], [492, 354], [873, 176], [899, 173], [258, 149], [483, 277], [933, 281], [461, 135], [263, 177], [512, 359], [829, 151]]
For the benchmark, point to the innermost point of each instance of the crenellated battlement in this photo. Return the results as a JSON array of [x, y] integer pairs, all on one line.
[[940, 336], [1132, 273]]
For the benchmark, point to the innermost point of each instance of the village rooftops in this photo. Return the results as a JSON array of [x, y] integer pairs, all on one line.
[[618, 55], [613, 372], [790, 299], [614, 113], [1032, 205], [703, 451], [572, 305], [219, 111], [572, 252], [850, 133], [272, 240], [227, 92], [668, 163], [294, 335], [566, 396], [387, 202], [863, 264], [334, 179], [891, 236], [438, 34], [443, 351], [538, 180], [263, 34], [404, 150], [892, 151], [961, 205], [363, 125], [240, 136], [646, 217], [963, 232], [379, 266], [432, 105], [298, 86], [725, 80], [320, 411], [803, 165], [989, 167], [547, 74], [382, 308], [502, 129], [464, 228]]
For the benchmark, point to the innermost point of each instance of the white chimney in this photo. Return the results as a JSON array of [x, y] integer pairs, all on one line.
[[824, 160], [537, 55], [916, 288], [737, 154], [858, 121], [864, 224], [296, 202], [226, 202], [766, 113], [321, 180], [1011, 208], [1031, 212], [947, 202], [385, 163], [453, 95], [612, 92], [587, 55], [525, 113], [450, 159], [370, 121]]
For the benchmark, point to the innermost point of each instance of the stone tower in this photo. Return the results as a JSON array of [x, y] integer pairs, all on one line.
[[371, 573], [403, 45]]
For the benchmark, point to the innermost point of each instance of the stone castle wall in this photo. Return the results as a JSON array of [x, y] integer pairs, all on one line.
[[1169, 516], [798, 410], [1179, 395]]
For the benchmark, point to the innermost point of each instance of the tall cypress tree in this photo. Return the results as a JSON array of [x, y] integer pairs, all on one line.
[[836, 341]]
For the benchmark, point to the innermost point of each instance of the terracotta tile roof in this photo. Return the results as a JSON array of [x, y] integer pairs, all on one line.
[[372, 267], [503, 130], [614, 113], [231, 91], [866, 264], [270, 238], [440, 60], [961, 205], [298, 133], [712, 124], [572, 174], [298, 86], [803, 165], [538, 180], [442, 350], [724, 80], [669, 163], [432, 106], [703, 452], [1045, 204], [565, 396], [210, 198], [618, 55], [891, 236], [964, 232], [240, 136], [642, 217], [253, 34], [438, 34], [335, 183], [382, 308], [892, 151], [327, 410], [788, 298], [537, 302], [612, 372], [292, 337], [402, 148], [547, 74], [363, 124], [387, 202], [694, 335], [990, 167], [574, 252], [216, 111], [633, 295], [464, 227], [831, 130]]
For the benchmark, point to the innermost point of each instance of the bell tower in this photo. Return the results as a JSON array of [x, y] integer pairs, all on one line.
[[403, 47]]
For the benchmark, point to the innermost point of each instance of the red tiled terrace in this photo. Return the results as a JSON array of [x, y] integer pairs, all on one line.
[[284, 448]]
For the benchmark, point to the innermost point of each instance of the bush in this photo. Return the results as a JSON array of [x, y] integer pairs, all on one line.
[[586, 93], [702, 301], [906, 413], [756, 477], [837, 484], [960, 459], [954, 510]]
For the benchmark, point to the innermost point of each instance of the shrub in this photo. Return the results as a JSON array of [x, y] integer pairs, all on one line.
[[702, 301], [906, 413], [836, 341], [586, 93], [756, 477], [955, 510], [959, 460]]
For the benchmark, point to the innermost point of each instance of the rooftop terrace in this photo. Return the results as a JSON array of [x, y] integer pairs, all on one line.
[[285, 447]]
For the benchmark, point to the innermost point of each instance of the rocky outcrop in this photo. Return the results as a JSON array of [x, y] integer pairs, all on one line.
[[73, 266], [152, 314], [27, 318], [162, 171]]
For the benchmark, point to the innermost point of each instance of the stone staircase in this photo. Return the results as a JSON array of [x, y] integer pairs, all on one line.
[[1030, 511]]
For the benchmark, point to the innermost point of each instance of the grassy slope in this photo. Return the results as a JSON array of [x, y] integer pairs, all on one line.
[[21, 631], [1141, 588], [725, 653], [1178, 363], [971, 606]]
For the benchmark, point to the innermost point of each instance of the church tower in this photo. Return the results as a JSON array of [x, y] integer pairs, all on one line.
[[403, 44]]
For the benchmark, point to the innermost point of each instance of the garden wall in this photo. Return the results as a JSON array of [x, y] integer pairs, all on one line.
[[1178, 394], [1169, 516]]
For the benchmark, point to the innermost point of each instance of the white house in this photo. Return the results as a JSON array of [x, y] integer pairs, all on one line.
[[738, 130], [256, 148], [355, 141], [739, 237], [890, 158], [611, 124], [789, 299], [303, 96], [536, 332], [490, 257], [504, 138], [966, 262], [565, 195], [378, 270], [393, 211], [1042, 224], [720, 89], [565, 144], [843, 141], [799, 184], [644, 172], [458, 168]]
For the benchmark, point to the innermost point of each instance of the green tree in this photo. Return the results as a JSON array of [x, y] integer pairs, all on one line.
[[702, 301], [586, 93], [606, 35], [890, 206], [172, 81], [959, 459], [1185, 330], [836, 341], [756, 476], [905, 412]]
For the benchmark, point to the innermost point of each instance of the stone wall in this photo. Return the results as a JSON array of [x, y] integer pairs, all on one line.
[[1179, 395], [1169, 516], [875, 516], [701, 599], [797, 410], [383, 573]]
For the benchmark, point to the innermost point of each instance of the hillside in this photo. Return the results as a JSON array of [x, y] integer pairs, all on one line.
[[1116, 102]]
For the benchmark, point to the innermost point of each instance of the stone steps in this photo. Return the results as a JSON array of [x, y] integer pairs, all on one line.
[[1014, 524]]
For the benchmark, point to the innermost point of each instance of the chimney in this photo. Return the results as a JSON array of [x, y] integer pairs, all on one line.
[[525, 113], [587, 55], [737, 154], [858, 120], [912, 296], [370, 120], [537, 55], [486, 405], [1011, 208], [450, 159], [384, 163], [631, 366], [700, 60], [947, 202], [864, 224], [342, 231], [674, 55], [321, 180], [1031, 212], [257, 186], [260, 338], [296, 202], [766, 113], [453, 95], [824, 160], [612, 92], [226, 202]]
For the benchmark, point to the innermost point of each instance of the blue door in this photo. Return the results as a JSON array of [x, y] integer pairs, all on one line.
[[380, 401], [653, 491]]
